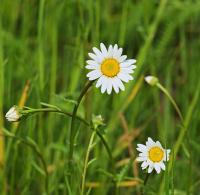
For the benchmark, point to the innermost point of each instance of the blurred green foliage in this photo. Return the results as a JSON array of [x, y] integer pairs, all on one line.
[[45, 43]]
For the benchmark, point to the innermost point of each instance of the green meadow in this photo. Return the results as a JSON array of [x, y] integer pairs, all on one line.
[[44, 46]]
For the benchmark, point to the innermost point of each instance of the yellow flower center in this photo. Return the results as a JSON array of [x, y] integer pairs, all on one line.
[[110, 67], [156, 154]]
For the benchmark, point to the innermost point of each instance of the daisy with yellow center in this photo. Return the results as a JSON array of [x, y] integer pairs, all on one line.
[[152, 155], [110, 67]]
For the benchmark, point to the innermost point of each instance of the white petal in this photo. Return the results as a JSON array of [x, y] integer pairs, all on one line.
[[92, 63], [13, 114], [98, 53], [120, 84], [117, 53], [132, 67], [126, 70], [150, 142], [124, 77], [144, 165], [109, 86], [157, 168], [94, 74], [150, 162], [90, 67], [162, 165], [142, 147], [115, 50], [99, 82], [103, 50], [104, 84], [115, 85], [158, 144], [167, 152], [10, 111], [128, 63], [122, 58], [110, 51], [150, 169], [141, 158], [95, 57], [144, 154]]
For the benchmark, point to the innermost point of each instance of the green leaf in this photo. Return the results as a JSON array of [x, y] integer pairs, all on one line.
[[38, 168]]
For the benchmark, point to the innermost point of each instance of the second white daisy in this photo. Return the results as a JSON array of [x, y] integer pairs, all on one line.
[[152, 155], [110, 67]]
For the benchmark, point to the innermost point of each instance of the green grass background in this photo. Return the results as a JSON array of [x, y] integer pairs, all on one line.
[[46, 43]]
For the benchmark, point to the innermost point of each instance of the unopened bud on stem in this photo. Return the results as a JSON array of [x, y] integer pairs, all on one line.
[[13, 115], [151, 80]]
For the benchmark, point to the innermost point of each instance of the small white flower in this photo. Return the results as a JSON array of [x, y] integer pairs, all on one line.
[[152, 155], [110, 67], [151, 80], [13, 114]]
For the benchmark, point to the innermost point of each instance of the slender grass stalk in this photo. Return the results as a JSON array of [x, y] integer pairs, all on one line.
[[146, 178], [72, 130], [185, 124], [107, 148], [183, 131], [111, 159], [35, 111], [164, 90], [53, 76], [1, 95], [123, 25], [48, 110], [37, 152], [145, 183], [147, 44], [2, 63], [40, 61], [86, 162], [40, 45]]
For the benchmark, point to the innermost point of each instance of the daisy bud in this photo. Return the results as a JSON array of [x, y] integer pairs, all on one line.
[[97, 121], [13, 115], [151, 80]]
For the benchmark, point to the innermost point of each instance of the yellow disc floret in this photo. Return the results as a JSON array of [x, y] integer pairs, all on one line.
[[156, 154], [110, 67]]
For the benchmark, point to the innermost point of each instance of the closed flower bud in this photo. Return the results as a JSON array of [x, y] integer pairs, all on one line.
[[97, 121], [151, 80], [13, 115]]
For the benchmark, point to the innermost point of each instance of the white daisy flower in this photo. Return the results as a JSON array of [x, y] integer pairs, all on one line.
[[110, 67], [152, 155], [13, 114]]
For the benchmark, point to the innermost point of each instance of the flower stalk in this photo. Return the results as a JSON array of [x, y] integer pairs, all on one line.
[[72, 130], [164, 90], [154, 81], [86, 162]]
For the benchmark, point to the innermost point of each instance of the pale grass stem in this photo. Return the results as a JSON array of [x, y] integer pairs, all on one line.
[[86, 162]]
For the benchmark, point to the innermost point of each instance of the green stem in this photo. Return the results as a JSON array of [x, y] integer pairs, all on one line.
[[183, 131], [86, 162], [33, 111], [38, 153], [146, 178], [111, 159], [106, 147], [171, 99], [72, 131], [144, 184]]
